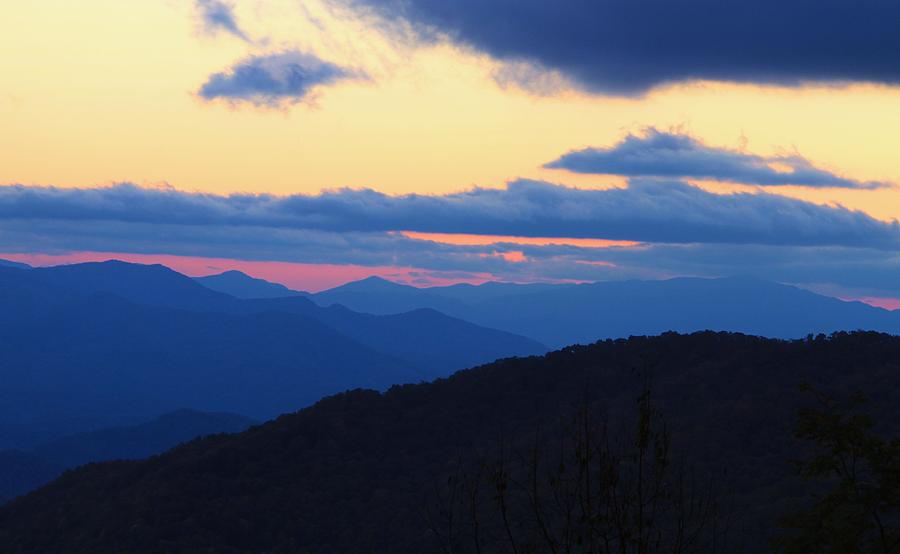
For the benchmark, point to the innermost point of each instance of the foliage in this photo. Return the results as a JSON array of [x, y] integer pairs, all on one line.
[[859, 511], [584, 488]]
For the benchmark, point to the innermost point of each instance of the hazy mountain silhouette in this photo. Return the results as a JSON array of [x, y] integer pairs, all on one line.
[[424, 337], [95, 344], [358, 472], [22, 471], [376, 295], [563, 314], [102, 360], [241, 285], [433, 343], [75, 361], [10, 263], [154, 285]]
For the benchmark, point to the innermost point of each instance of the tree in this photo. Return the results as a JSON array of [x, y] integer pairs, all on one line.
[[859, 472], [585, 489]]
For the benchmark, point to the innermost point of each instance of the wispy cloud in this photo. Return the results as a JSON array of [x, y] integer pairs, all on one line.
[[218, 16], [676, 155], [275, 80]]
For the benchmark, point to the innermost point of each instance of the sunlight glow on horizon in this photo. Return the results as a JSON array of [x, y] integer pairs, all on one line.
[[319, 277], [432, 121], [297, 276], [484, 240], [102, 92]]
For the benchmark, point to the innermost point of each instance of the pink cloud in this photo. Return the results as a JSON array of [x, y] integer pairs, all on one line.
[[880, 302]]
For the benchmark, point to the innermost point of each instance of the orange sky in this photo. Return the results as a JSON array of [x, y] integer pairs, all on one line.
[[103, 91], [78, 112]]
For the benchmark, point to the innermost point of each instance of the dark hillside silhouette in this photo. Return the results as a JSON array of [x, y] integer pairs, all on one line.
[[22, 471], [362, 471], [856, 505]]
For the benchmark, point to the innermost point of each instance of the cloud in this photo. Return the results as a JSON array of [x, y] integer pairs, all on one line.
[[646, 211], [867, 269], [674, 155], [683, 231], [861, 269], [274, 80], [216, 15], [629, 47]]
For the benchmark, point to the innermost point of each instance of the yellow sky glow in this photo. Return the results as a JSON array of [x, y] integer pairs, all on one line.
[[102, 91]]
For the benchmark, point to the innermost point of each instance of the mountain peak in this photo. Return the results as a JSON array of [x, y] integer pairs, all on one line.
[[240, 285], [153, 284], [373, 282], [377, 279], [17, 265]]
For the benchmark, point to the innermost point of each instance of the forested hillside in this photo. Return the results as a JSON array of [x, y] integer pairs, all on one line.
[[370, 472]]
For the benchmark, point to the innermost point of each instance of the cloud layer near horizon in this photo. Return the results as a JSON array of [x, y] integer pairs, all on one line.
[[646, 211], [629, 47], [682, 229], [658, 153]]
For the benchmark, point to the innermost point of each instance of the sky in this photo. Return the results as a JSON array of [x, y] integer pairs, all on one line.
[[313, 142]]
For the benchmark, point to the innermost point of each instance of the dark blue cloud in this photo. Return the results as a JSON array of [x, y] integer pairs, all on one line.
[[217, 15], [672, 155], [683, 230], [630, 46], [274, 79], [647, 211], [862, 270]]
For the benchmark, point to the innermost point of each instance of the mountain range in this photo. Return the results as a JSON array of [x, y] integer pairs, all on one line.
[[559, 315], [98, 344], [93, 345]]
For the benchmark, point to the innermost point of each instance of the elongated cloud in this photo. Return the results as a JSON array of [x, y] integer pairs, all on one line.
[[645, 211], [662, 154], [274, 80], [683, 230], [628, 47], [868, 269], [216, 15]]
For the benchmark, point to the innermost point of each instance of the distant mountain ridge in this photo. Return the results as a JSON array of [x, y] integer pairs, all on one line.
[[241, 285], [558, 315], [10, 263], [24, 470], [157, 285], [94, 344]]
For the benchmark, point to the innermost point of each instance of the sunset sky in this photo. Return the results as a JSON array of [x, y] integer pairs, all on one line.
[[313, 142]]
